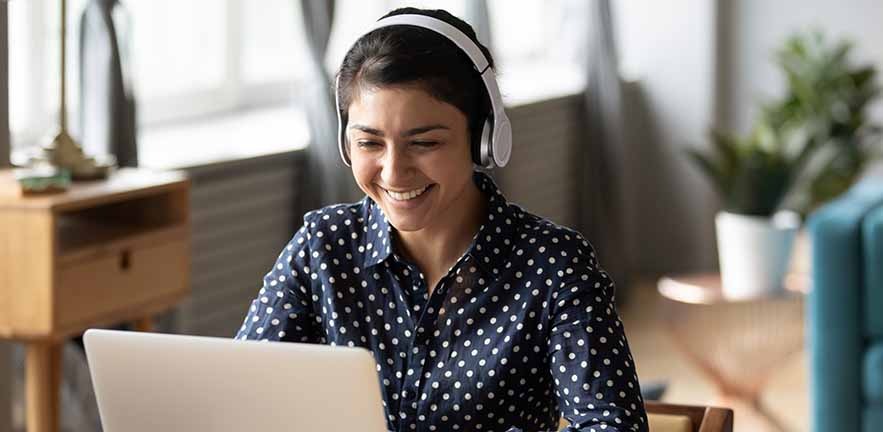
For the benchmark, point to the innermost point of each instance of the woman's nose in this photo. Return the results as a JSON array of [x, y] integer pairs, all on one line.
[[397, 164]]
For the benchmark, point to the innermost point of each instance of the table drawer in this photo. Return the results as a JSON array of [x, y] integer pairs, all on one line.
[[119, 280]]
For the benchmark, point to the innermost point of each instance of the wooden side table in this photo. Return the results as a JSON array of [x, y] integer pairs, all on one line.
[[103, 252], [738, 344]]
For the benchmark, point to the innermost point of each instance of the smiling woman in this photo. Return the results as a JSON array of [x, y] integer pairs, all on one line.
[[414, 162], [480, 315]]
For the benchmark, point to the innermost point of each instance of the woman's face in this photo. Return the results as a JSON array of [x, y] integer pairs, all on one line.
[[410, 154]]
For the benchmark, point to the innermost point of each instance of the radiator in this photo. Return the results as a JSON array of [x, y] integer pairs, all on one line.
[[542, 174], [243, 213]]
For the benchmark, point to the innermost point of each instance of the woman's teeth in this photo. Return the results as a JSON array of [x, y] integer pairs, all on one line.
[[405, 196]]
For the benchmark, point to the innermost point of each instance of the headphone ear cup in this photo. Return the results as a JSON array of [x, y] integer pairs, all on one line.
[[486, 159], [502, 143], [341, 124]]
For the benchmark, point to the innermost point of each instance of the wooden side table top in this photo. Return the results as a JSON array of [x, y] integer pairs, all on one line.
[[124, 181], [706, 288]]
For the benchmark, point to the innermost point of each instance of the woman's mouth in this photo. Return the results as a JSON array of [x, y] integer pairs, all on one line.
[[408, 199], [407, 195]]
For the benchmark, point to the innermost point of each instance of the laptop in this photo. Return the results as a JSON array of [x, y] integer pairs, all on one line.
[[171, 383]]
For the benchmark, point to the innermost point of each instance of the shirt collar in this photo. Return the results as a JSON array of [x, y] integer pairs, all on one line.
[[490, 247], [377, 245]]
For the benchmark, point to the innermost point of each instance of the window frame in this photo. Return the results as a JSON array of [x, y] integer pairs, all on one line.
[[5, 148]]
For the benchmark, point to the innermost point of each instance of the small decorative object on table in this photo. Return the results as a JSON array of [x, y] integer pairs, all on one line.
[[803, 151], [42, 179], [65, 153]]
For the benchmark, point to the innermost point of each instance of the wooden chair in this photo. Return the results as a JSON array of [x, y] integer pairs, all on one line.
[[699, 418], [665, 417]]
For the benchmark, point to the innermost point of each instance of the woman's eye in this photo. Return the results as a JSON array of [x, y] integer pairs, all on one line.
[[367, 144], [425, 143]]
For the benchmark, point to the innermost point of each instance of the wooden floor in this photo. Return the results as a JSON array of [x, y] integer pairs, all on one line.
[[657, 359]]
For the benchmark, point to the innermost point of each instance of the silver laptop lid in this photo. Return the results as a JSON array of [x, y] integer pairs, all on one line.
[[151, 382]]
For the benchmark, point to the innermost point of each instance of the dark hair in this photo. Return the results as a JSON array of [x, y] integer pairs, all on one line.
[[401, 55]]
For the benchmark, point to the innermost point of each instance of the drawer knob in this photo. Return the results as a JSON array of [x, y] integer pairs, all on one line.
[[125, 260]]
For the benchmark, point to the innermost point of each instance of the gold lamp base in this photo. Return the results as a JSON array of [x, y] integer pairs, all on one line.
[[63, 152]]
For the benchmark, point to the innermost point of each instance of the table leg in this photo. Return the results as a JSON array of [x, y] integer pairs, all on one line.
[[144, 324], [768, 415], [43, 382]]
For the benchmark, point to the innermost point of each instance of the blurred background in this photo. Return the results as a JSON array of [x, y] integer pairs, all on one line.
[[612, 104]]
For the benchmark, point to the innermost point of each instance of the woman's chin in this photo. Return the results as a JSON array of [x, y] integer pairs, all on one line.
[[406, 222]]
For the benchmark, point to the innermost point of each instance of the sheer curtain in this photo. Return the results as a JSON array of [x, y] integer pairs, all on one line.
[[107, 104], [600, 212], [479, 17], [327, 180]]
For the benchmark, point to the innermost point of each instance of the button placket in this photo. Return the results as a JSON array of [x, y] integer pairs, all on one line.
[[422, 341], [416, 348]]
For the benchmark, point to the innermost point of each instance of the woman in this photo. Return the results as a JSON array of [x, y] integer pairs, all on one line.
[[480, 315]]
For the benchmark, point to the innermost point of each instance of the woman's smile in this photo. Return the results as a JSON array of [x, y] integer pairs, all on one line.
[[408, 198]]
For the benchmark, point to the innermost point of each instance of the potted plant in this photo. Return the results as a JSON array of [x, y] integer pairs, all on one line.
[[803, 150]]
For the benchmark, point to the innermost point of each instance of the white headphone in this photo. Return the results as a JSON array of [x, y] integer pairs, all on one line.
[[496, 134]]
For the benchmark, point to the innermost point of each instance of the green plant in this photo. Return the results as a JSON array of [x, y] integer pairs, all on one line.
[[806, 148]]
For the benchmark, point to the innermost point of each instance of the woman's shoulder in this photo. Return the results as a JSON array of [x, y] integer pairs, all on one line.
[[546, 237], [335, 214], [338, 225]]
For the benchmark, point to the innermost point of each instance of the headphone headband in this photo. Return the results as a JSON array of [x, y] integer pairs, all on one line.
[[496, 138]]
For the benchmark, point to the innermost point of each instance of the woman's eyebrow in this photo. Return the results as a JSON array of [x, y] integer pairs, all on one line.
[[367, 129], [407, 133], [423, 129]]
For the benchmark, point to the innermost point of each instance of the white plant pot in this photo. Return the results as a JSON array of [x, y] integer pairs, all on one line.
[[754, 252]]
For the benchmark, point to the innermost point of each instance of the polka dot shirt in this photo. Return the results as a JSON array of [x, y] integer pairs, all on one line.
[[522, 329]]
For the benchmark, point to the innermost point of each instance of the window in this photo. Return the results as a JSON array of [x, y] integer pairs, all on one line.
[[536, 42], [33, 76], [204, 60], [353, 17], [190, 59], [539, 42]]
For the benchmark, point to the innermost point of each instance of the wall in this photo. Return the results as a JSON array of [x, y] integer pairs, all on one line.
[[667, 56], [691, 64], [759, 27]]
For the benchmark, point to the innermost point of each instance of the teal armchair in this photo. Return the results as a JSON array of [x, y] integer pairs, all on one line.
[[845, 311]]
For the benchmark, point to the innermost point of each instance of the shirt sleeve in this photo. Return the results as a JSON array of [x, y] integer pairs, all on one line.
[[594, 372], [283, 308]]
